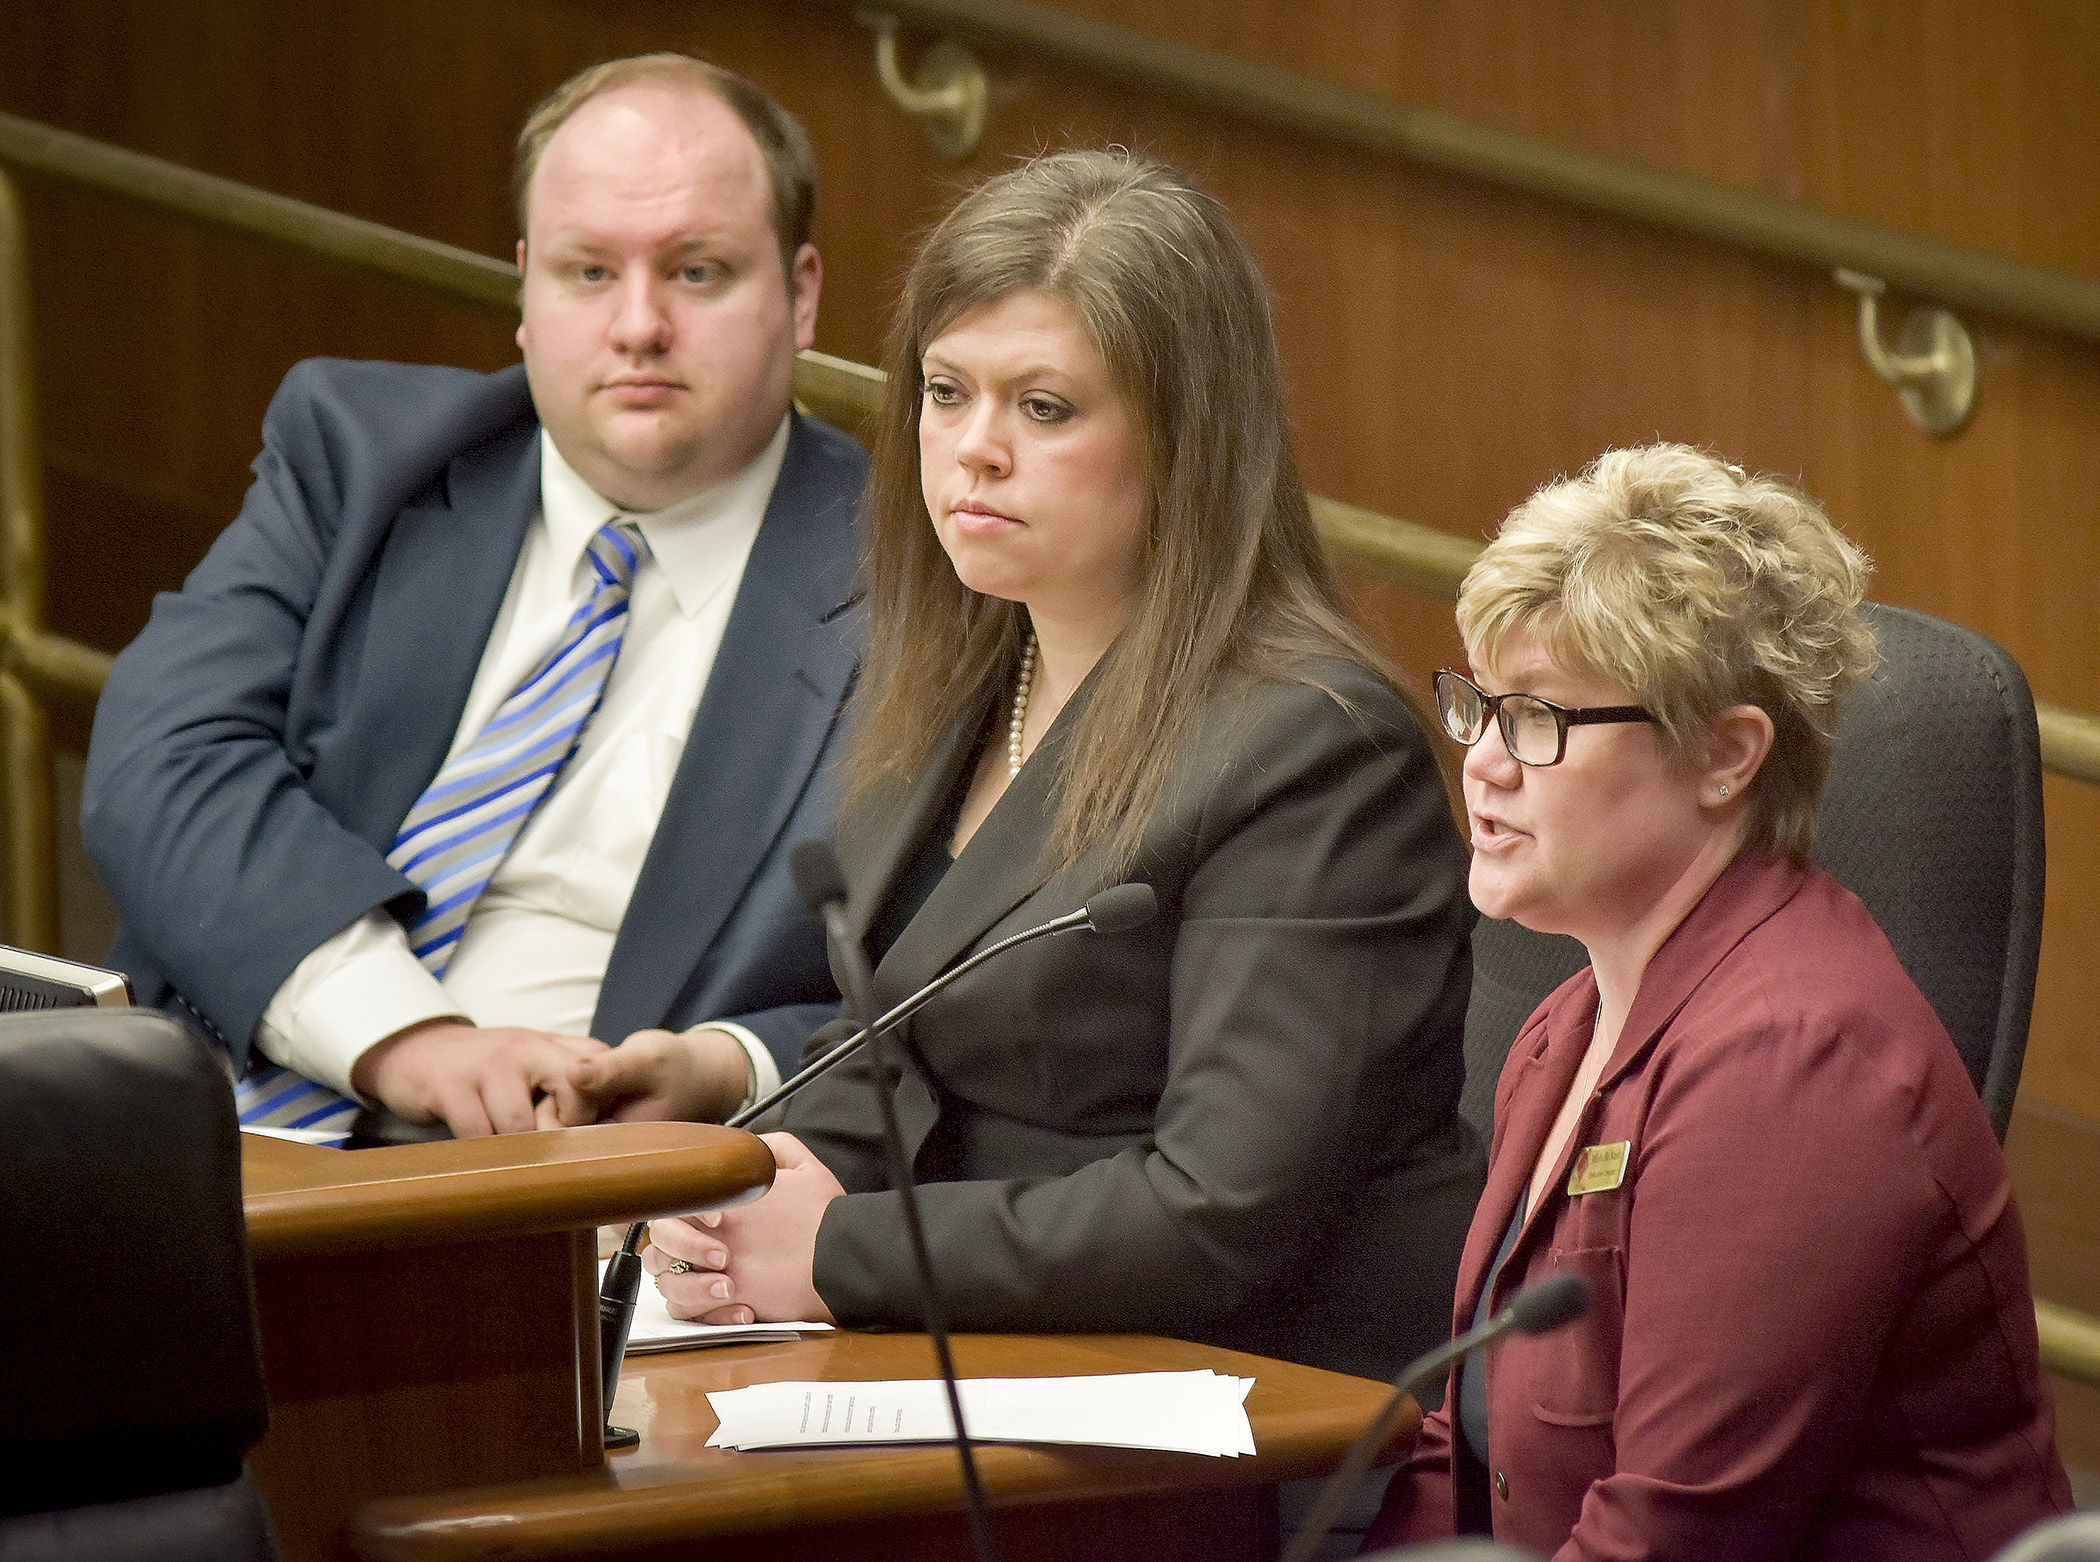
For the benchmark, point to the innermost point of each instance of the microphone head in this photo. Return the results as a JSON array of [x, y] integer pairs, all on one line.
[[817, 875], [1120, 909], [1555, 1300]]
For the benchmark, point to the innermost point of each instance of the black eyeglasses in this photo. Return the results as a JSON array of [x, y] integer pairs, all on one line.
[[1534, 730]]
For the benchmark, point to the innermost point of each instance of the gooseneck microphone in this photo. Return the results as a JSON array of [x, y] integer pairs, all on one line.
[[1112, 911], [1553, 1301], [823, 886], [817, 876]]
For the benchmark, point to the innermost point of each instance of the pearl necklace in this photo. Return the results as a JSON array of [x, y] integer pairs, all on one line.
[[1023, 686]]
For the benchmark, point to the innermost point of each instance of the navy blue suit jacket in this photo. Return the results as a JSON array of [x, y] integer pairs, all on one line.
[[260, 742]]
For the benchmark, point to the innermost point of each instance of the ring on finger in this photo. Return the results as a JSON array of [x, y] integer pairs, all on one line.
[[678, 1266]]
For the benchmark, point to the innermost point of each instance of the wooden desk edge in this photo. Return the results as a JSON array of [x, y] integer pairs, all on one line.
[[532, 1520], [592, 1514], [302, 1201]]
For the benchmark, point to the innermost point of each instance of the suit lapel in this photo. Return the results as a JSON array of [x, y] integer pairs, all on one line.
[[1005, 862], [1546, 1063], [873, 861], [1747, 892], [771, 702], [440, 582]]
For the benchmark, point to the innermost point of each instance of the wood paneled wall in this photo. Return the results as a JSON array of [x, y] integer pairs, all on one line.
[[1449, 347]]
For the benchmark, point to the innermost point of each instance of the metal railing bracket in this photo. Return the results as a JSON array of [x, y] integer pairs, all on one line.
[[949, 95], [1933, 366]]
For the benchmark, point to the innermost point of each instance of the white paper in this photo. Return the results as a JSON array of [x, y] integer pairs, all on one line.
[[656, 1330], [324, 1136], [1185, 1412]]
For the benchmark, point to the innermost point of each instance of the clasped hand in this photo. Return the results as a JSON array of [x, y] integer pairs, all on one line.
[[474, 1079], [507, 1079], [755, 1262]]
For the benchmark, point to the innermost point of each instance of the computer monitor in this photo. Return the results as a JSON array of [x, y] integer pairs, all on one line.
[[33, 981]]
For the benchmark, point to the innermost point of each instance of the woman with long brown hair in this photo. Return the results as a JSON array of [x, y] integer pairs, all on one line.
[[1103, 645]]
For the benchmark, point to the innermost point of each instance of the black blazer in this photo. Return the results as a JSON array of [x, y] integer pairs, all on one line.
[[260, 742], [1237, 1124]]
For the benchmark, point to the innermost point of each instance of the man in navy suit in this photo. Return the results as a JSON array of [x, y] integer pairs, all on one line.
[[414, 538]]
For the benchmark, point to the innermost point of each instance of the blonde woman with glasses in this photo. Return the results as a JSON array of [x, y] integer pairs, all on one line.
[[1809, 1333]]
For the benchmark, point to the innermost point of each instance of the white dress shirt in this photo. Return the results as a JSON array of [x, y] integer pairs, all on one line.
[[536, 944]]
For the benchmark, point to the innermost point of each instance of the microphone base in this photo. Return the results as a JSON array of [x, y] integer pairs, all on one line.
[[622, 1437]]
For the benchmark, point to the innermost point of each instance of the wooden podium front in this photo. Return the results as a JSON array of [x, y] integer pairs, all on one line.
[[430, 1341], [428, 1312]]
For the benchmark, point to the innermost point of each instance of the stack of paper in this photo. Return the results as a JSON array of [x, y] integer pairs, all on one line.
[[1184, 1412], [656, 1330]]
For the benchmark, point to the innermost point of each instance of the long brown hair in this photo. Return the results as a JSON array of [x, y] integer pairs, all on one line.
[[1234, 579]]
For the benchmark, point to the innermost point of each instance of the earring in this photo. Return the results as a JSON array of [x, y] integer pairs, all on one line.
[[1724, 788]]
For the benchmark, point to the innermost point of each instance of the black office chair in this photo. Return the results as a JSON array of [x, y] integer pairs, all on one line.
[[130, 1371], [1933, 817]]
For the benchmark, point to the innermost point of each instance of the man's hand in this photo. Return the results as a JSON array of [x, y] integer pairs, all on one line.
[[698, 1076], [756, 1261], [476, 1080]]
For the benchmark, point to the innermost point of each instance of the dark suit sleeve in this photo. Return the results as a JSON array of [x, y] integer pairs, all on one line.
[[786, 1031], [225, 871], [1314, 982]]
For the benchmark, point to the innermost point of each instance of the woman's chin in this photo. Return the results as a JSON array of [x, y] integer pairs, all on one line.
[[987, 581], [1492, 893], [1508, 898]]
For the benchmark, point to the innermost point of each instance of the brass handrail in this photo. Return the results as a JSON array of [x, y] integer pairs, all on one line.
[[1404, 552], [2070, 1341], [1685, 203], [29, 876], [36, 664], [171, 190]]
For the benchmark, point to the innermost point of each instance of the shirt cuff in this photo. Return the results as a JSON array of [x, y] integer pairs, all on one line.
[[349, 995], [765, 1073]]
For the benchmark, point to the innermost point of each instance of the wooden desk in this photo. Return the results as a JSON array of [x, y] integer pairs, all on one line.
[[788, 1506], [428, 1314]]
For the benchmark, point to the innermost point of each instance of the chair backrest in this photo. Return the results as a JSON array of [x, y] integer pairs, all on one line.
[[1933, 817], [129, 1350]]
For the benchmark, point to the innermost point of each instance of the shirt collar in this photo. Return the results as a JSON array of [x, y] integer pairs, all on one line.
[[686, 538]]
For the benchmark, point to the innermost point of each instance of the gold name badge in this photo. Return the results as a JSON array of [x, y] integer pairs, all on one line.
[[1598, 1168]]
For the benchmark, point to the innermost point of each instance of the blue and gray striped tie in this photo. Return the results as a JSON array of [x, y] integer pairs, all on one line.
[[463, 825]]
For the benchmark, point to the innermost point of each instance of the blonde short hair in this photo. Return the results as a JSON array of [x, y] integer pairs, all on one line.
[[1696, 588]]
